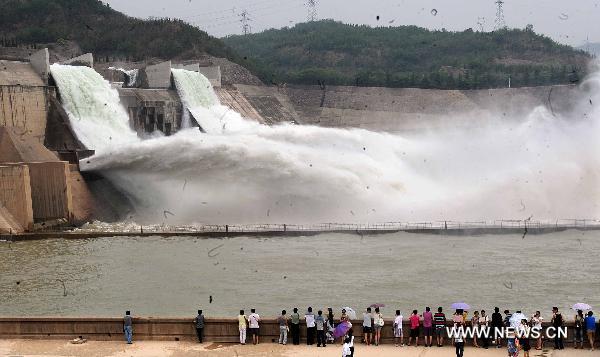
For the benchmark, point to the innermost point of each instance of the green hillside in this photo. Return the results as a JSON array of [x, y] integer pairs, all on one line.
[[408, 56], [99, 29]]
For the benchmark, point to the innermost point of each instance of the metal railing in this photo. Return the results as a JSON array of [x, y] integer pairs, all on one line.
[[508, 224]]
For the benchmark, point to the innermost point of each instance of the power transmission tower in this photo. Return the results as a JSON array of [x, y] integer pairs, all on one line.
[[500, 22], [481, 24], [311, 5], [245, 20]]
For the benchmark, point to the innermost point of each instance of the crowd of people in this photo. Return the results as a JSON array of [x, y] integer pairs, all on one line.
[[321, 328]]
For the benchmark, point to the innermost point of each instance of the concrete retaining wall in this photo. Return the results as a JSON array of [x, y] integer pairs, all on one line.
[[272, 103], [85, 204], [40, 61], [15, 194], [213, 73], [235, 100], [83, 60], [403, 109], [51, 194], [8, 223], [158, 75], [162, 329], [24, 108]]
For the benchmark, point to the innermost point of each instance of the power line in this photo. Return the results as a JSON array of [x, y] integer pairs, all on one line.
[[231, 10], [252, 15]]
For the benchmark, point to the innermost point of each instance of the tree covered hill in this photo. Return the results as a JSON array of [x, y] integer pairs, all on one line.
[[408, 56], [97, 28]]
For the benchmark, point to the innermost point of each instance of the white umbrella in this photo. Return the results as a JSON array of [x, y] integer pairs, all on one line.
[[515, 319], [581, 306], [350, 312]]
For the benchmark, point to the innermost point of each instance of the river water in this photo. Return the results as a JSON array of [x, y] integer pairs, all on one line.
[[175, 276]]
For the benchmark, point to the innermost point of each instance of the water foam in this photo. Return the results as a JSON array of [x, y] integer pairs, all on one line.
[[93, 107], [541, 166]]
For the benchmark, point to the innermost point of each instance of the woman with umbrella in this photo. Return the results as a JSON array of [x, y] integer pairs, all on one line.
[[578, 329], [579, 322], [344, 330], [461, 308]]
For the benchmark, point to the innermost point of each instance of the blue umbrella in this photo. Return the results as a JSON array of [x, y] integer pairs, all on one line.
[[460, 306], [341, 329]]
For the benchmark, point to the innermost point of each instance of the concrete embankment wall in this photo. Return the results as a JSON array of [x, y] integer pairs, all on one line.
[[403, 109], [48, 184], [161, 329], [51, 190], [234, 99], [24, 108], [23, 98], [15, 197]]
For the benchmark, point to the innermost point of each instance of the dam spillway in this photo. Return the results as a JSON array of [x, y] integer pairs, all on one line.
[[252, 151]]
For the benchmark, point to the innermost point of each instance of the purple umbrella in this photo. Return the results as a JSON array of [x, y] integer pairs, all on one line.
[[460, 306], [341, 329]]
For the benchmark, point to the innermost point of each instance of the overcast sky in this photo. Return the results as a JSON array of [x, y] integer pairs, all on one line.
[[567, 21]]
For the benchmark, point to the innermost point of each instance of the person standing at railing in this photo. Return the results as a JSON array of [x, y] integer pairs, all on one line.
[[321, 327], [367, 326], [128, 327], [283, 328], [243, 324], [523, 335], [578, 338], [378, 323], [295, 327], [398, 333], [497, 326], [439, 320], [536, 324], [199, 322], [557, 322], [484, 326], [475, 327], [310, 326], [254, 320], [428, 326], [414, 328], [590, 327]]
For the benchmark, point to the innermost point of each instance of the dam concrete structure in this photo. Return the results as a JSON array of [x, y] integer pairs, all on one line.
[[16, 210], [39, 188], [33, 118], [86, 59]]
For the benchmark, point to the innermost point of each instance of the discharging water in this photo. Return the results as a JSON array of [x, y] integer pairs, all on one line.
[[175, 276], [239, 171]]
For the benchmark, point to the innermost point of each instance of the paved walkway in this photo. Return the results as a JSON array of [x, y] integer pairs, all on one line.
[[39, 348]]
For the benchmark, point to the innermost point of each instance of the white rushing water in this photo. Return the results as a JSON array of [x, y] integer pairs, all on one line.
[[240, 171], [131, 74], [199, 98], [96, 115]]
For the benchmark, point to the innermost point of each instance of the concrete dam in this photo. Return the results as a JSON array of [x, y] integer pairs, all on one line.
[[48, 181]]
